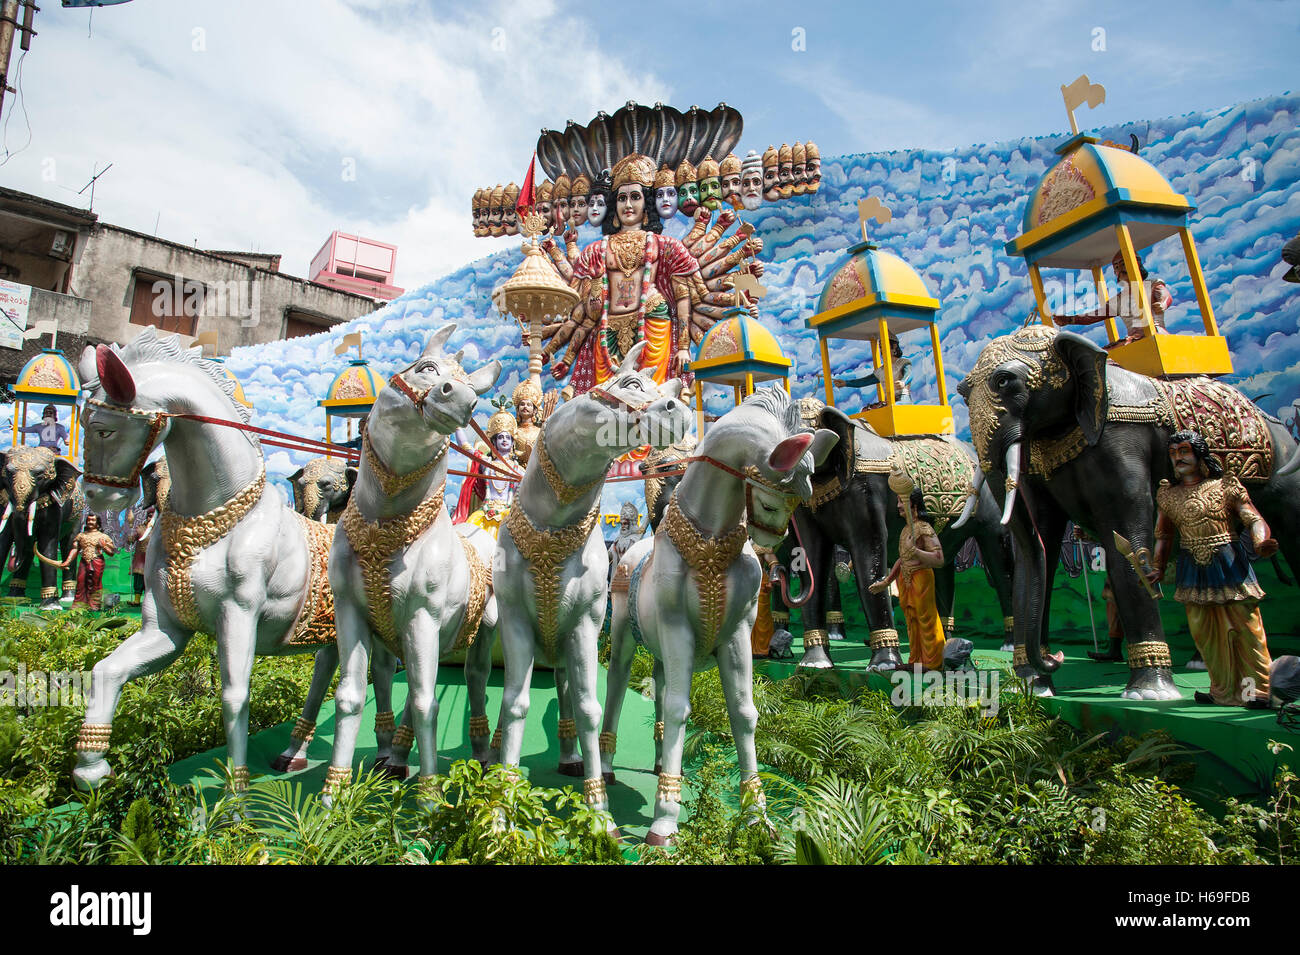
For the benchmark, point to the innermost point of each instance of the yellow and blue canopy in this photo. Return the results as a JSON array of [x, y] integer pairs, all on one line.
[[738, 346], [868, 285], [48, 377], [353, 390]]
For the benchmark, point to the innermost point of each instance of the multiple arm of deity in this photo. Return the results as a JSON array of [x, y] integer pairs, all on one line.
[[695, 271]]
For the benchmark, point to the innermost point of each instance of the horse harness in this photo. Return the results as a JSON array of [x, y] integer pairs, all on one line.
[[376, 543], [546, 550]]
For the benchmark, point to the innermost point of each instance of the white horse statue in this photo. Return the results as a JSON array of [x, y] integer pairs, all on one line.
[[551, 569], [401, 571], [229, 560], [691, 592]]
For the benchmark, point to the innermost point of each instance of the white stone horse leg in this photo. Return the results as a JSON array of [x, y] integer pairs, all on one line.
[[659, 715], [294, 757], [354, 642], [422, 647], [566, 730], [677, 644], [583, 664], [478, 666], [383, 667], [146, 651], [622, 648], [236, 649], [518, 647], [736, 670]]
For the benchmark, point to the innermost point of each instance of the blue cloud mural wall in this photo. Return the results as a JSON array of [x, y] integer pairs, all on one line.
[[952, 213]]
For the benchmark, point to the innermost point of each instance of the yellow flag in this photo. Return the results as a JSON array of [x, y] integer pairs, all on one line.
[[1081, 91], [872, 208]]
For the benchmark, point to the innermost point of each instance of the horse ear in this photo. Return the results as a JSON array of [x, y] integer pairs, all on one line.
[[788, 453], [482, 379], [1087, 364], [822, 444], [114, 376], [86, 367], [438, 339], [632, 358]]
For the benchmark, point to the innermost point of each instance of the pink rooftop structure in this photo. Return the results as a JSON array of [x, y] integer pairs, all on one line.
[[354, 264]]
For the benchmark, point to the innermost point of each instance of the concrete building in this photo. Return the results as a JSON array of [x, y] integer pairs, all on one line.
[[103, 283]]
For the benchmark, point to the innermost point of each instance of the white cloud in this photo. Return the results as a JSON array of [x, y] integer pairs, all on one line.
[[234, 124]]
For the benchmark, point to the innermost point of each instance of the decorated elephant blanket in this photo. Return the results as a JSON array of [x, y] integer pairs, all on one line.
[[1232, 425]]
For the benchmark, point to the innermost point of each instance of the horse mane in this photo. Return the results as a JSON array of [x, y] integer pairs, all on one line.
[[147, 346], [780, 406]]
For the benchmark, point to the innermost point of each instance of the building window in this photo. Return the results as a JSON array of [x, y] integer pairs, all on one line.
[[169, 304], [298, 324]]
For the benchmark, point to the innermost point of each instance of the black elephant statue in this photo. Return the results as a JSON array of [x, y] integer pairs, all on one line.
[[1064, 435], [44, 507], [321, 488], [853, 506]]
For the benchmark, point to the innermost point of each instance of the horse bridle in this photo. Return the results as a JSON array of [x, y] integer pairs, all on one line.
[[751, 478], [157, 420]]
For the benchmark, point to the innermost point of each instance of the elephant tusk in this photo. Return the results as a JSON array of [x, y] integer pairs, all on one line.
[[44, 559], [1292, 465], [1013, 481], [324, 517], [9, 509], [973, 500], [31, 516]]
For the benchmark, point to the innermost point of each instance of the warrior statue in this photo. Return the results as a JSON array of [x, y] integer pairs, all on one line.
[[485, 498], [92, 545], [629, 532]]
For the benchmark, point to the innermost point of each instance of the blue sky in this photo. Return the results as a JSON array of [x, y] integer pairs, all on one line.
[[242, 124]]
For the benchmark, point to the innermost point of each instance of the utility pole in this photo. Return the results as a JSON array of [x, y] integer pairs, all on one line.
[[9, 25]]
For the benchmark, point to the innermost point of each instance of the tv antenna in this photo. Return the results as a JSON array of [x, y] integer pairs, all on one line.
[[91, 185]]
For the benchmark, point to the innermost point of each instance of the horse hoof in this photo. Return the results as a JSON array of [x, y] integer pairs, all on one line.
[[571, 769], [288, 764]]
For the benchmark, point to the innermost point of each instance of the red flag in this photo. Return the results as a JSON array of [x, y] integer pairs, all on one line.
[[527, 193]]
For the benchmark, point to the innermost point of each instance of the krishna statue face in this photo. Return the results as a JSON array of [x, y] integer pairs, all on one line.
[[630, 202]]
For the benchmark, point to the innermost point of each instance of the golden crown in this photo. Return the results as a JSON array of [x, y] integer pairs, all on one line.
[[730, 166], [686, 173], [708, 168], [665, 177], [771, 157], [502, 421], [581, 186], [561, 188], [634, 168]]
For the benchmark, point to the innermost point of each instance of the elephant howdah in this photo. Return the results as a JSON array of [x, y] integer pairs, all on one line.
[[43, 511], [1064, 435]]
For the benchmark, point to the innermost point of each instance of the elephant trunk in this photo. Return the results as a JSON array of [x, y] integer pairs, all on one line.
[[1012, 462], [779, 576], [972, 502]]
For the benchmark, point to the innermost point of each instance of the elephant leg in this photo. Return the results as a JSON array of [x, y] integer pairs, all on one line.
[[870, 563], [69, 572], [622, 649], [566, 730], [146, 651], [945, 587], [49, 544], [23, 558], [817, 552], [478, 667], [294, 757], [383, 668], [1032, 588], [994, 544]]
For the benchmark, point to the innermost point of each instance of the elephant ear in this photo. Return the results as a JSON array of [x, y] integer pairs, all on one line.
[[837, 460], [352, 477], [1087, 364], [67, 471]]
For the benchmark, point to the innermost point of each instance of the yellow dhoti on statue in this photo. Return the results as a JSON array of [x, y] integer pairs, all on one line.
[[925, 637], [490, 517], [1231, 638]]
